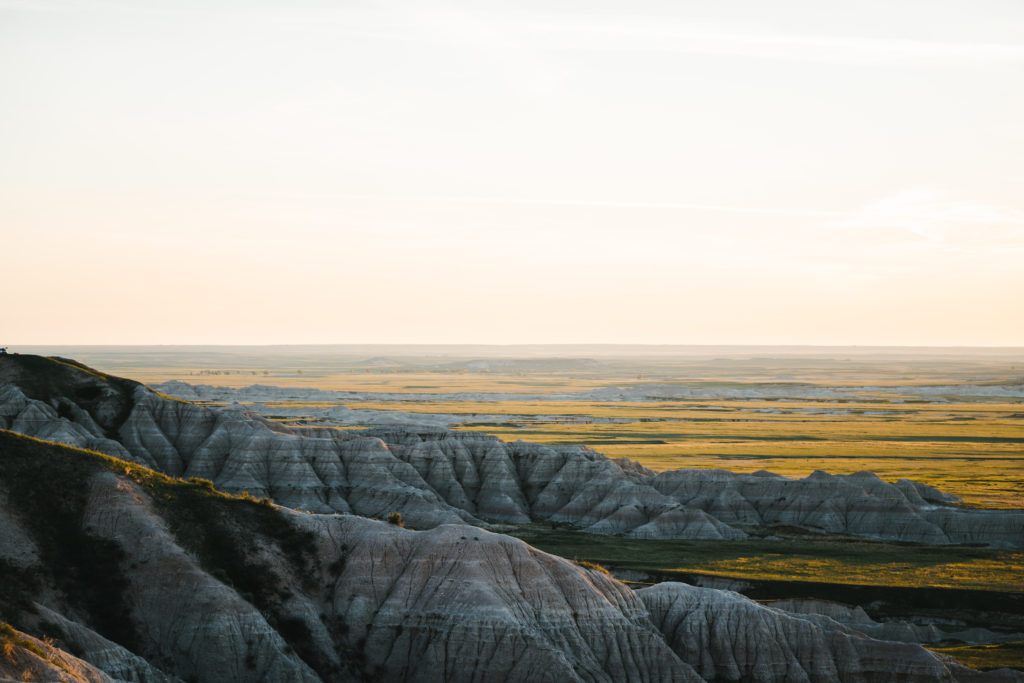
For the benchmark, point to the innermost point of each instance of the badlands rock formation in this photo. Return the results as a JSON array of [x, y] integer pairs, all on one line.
[[713, 629], [860, 504], [642, 392], [185, 583], [435, 476]]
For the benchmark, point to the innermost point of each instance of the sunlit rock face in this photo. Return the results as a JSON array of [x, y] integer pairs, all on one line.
[[436, 476], [26, 658]]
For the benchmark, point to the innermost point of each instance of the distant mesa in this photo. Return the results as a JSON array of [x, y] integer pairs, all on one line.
[[526, 364], [380, 361]]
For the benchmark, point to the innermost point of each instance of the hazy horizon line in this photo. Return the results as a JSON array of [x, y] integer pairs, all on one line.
[[14, 347]]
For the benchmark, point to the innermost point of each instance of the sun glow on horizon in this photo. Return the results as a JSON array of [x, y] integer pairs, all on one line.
[[446, 172]]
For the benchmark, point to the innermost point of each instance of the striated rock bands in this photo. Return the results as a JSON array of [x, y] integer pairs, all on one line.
[[859, 504], [435, 476], [222, 589], [727, 637]]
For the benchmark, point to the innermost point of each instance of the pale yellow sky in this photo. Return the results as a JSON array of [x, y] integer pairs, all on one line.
[[512, 172]]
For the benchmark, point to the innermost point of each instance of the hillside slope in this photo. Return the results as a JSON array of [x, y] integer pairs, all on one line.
[[148, 578]]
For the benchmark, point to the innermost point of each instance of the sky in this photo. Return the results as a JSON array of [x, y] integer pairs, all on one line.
[[599, 171]]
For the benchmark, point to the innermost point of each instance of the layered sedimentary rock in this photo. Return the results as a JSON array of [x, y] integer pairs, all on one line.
[[238, 451], [859, 504], [640, 392], [210, 588], [436, 476], [520, 482], [354, 599], [105, 655], [727, 637]]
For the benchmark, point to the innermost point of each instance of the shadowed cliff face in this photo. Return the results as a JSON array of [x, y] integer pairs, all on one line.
[[435, 476], [198, 585], [72, 389]]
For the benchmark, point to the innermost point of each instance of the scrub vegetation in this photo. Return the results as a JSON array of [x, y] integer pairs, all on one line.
[[793, 556], [985, 657]]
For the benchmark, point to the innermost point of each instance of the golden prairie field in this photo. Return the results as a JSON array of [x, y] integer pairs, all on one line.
[[969, 446], [973, 450]]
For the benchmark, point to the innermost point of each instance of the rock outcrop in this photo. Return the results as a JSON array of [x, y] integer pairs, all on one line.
[[207, 587], [858, 504], [644, 391], [727, 637], [435, 476]]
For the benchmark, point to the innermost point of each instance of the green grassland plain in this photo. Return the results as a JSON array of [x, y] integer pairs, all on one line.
[[792, 555]]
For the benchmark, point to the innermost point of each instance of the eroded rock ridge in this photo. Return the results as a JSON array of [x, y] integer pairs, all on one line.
[[436, 476], [186, 583]]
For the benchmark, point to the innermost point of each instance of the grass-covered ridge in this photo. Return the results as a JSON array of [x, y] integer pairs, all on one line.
[[20, 663], [108, 400], [986, 657], [46, 485]]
